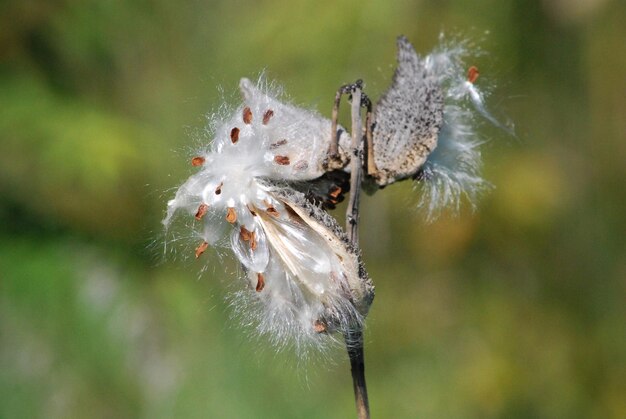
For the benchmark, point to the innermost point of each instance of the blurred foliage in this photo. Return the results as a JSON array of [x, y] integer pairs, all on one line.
[[517, 311]]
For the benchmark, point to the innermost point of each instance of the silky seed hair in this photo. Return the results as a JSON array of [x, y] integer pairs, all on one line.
[[302, 280]]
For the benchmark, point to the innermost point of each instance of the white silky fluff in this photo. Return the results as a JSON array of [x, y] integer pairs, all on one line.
[[452, 171], [303, 279]]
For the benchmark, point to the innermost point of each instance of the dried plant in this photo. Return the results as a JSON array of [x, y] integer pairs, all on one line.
[[273, 170]]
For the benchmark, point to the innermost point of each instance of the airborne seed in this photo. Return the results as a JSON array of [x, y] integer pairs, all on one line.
[[247, 115], [282, 160], [244, 234], [301, 165], [197, 161], [277, 144], [218, 190], [267, 116], [260, 282], [253, 242], [200, 249], [319, 327], [202, 209], [252, 211], [272, 211], [234, 135], [472, 74], [335, 192], [231, 215]]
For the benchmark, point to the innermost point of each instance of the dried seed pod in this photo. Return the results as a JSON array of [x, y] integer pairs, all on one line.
[[407, 118], [425, 127], [312, 266]]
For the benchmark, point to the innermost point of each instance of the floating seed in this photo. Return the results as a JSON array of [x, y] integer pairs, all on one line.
[[253, 242], [277, 144], [319, 327], [301, 165], [218, 190], [267, 116], [247, 115], [272, 211], [202, 209], [244, 234], [234, 135], [472, 74], [197, 161], [231, 215], [335, 192], [200, 249], [252, 211], [282, 160], [260, 282]]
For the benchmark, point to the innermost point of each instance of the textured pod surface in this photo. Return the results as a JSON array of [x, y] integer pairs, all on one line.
[[407, 118]]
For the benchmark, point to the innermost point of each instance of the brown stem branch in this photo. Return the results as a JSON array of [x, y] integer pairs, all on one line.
[[354, 338]]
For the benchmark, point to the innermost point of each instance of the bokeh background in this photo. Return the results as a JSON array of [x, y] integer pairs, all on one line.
[[515, 311]]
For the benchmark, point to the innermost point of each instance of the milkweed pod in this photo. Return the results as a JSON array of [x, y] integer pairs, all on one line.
[[407, 118], [314, 281], [426, 126]]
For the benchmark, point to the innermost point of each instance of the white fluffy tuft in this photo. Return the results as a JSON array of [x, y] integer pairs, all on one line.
[[302, 280], [452, 172]]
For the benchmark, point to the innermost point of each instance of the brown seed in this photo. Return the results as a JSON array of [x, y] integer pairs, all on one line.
[[234, 135], [319, 327], [277, 144], [272, 211], [253, 242], [244, 234], [231, 215], [247, 115], [301, 165], [197, 161], [335, 192], [282, 160], [293, 216], [202, 209], [218, 190], [472, 74], [200, 249], [260, 282], [252, 211], [267, 116]]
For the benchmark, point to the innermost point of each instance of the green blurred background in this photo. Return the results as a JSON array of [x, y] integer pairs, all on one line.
[[516, 311]]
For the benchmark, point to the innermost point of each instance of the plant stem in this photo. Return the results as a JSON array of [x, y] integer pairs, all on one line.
[[354, 338], [354, 343]]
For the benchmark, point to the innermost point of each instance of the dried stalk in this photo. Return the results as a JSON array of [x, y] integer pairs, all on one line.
[[354, 338]]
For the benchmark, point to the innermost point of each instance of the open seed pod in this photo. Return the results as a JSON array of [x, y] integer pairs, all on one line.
[[407, 118], [314, 281]]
